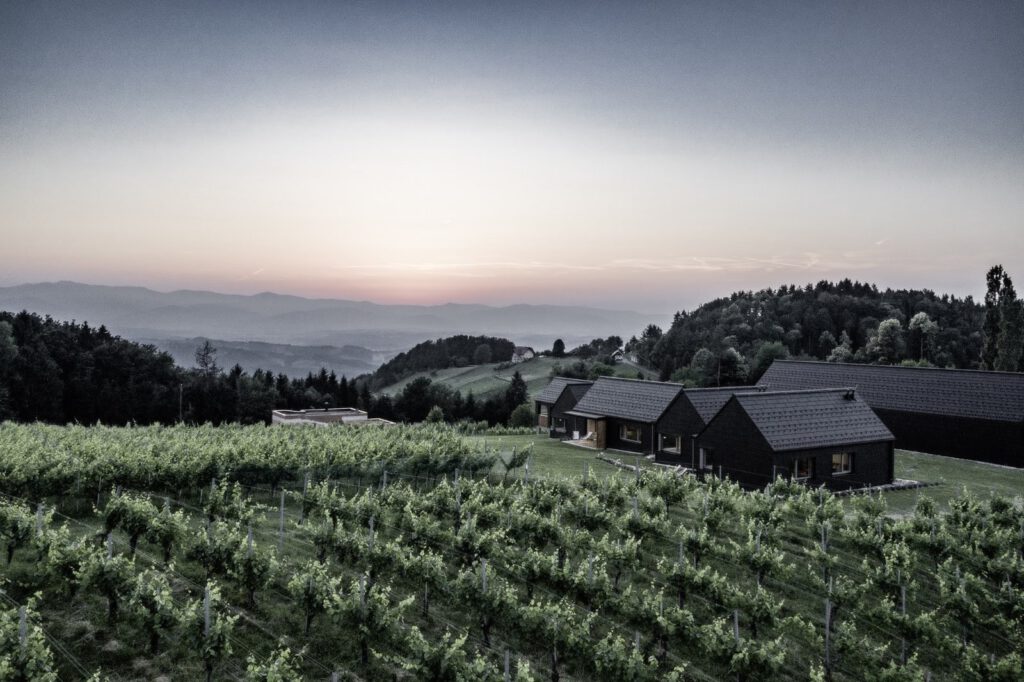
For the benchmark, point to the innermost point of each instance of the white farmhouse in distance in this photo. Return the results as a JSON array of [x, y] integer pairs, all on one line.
[[522, 354]]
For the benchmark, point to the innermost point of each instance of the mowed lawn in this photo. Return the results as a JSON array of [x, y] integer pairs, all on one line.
[[946, 476], [949, 477]]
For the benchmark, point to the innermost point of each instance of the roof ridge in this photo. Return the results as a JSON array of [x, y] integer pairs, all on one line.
[[642, 381], [791, 391], [885, 367]]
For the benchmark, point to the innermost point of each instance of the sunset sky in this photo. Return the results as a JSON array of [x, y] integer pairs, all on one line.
[[603, 154]]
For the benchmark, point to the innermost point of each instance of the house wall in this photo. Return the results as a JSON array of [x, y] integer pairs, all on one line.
[[645, 446], [734, 443], [873, 464], [680, 419], [976, 439]]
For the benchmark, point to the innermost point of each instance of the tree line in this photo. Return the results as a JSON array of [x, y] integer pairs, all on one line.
[[733, 340], [67, 372]]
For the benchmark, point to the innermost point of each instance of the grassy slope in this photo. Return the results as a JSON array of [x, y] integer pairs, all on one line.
[[945, 474], [486, 379]]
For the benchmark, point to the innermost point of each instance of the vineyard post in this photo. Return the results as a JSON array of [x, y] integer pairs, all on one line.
[[334, 676], [636, 508], [110, 545], [828, 637], [22, 626], [384, 481], [736, 626], [369, 542], [483, 576], [586, 471], [305, 489], [39, 519], [590, 570], [362, 595], [280, 526], [508, 673], [248, 541], [637, 468], [206, 611], [903, 612]]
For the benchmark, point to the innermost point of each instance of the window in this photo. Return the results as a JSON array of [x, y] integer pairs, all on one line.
[[671, 443], [559, 424], [803, 468], [706, 457], [543, 410], [629, 432], [842, 463]]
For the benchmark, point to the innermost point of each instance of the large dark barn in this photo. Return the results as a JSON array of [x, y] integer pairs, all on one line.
[[959, 413], [557, 398], [828, 437]]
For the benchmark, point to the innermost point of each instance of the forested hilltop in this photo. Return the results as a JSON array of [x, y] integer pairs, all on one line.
[[453, 351], [732, 340]]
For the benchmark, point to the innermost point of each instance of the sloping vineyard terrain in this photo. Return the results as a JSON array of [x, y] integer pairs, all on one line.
[[361, 553]]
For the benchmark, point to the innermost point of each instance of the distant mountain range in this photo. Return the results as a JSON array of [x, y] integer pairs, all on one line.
[[174, 320]]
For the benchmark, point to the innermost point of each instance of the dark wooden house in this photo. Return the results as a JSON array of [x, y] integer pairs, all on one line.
[[626, 414], [827, 436], [557, 398], [685, 418], [958, 413]]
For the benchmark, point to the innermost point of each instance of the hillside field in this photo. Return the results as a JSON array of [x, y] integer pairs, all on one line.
[[483, 380]]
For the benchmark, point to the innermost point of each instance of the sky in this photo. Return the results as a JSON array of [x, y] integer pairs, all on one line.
[[646, 156]]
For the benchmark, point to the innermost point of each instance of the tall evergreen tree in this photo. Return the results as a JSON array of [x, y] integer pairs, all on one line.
[[993, 317], [1011, 328]]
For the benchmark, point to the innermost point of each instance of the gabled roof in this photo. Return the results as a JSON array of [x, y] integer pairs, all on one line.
[[553, 391], [977, 394], [799, 420], [708, 401], [642, 401]]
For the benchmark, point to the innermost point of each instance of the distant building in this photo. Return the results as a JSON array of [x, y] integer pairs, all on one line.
[[962, 413], [617, 355], [323, 417], [821, 437], [557, 398], [522, 354]]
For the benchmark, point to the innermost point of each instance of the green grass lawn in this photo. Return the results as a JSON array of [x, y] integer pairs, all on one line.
[[949, 476], [945, 475]]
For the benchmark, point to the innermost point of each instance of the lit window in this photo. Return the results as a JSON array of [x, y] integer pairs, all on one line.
[[629, 432], [842, 463], [671, 443], [803, 468]]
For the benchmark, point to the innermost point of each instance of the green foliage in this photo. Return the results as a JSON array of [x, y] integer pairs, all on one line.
[[522, 416], [279, 666], [210, 637], [435, 416], [25, 655], [151, 606]]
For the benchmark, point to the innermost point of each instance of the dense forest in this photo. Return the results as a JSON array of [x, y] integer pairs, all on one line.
[[732, 340], [62, 372], [453, 351]]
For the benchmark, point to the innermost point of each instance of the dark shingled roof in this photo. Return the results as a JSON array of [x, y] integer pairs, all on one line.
[[997, 396], [708, 401], [553, 390], [803, 420], [642, 401]]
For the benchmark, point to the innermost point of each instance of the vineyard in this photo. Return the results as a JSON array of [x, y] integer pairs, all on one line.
[[407, 553]]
